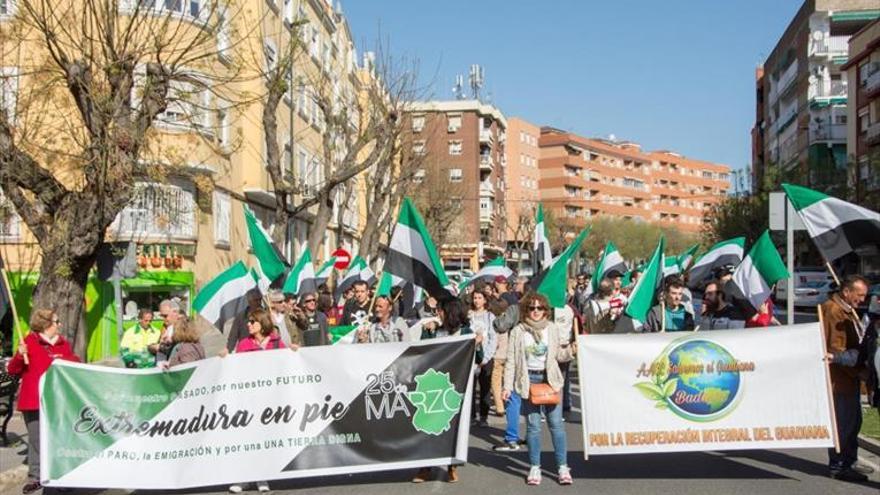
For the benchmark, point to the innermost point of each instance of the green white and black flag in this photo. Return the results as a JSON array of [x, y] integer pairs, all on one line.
[[269, 258], [412, 255], [753, 280], [323, 274], [553, 282], [644, 294], [301, 278], [320, 411], [729, 252], [837, 227], [490, 270], [543, 254], [611, 261], [224, 297], [357, 270]]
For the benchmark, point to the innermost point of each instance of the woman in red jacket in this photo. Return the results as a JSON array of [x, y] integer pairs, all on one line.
[[42, 346]]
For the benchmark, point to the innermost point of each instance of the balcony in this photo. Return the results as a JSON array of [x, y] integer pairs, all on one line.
[[487, 189], [486, 136], [830, 46], [486, 215], [788, 150], [487, 163], [786, 117], [872, 83], [872, 136], [827, 89], [833, 132], [785, 80]]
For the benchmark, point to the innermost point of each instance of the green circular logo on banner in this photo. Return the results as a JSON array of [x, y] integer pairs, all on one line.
[[436, 402]]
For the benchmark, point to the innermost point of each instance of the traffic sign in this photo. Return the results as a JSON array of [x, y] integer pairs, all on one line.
[[343, 258]]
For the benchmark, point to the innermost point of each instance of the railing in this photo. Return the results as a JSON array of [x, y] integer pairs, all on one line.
[[785, 79], [832, 45], [158, 210], [788, 149], [872, 83], [486, 188], [833, 132], [485, 136], [827, 89], [486, 161]]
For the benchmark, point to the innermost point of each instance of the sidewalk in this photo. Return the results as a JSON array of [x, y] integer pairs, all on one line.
[[13, 465]]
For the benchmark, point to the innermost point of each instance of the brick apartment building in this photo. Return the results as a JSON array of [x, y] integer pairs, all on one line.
[[582, 178], [522, 195], [464, 145], [801, 96], [863, 115]]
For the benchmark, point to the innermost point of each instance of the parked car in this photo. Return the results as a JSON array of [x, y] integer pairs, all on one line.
[[801, 278], [813, 293]]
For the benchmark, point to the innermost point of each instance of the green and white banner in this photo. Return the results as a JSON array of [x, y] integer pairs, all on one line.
[[258, 416], [721, 390]]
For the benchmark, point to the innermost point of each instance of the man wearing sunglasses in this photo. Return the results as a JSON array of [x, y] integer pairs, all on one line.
[[311, 324]]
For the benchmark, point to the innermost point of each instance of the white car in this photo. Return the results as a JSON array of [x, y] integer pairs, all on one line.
[[813, 293]]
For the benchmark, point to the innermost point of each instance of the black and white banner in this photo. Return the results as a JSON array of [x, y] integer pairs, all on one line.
[[258, 416]]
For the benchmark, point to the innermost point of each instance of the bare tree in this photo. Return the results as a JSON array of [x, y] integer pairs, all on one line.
[[524, 231], [440, 203], [93, 78]]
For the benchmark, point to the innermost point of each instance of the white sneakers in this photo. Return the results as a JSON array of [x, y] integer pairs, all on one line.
[[534, 477], [564, 475], [235, 489]]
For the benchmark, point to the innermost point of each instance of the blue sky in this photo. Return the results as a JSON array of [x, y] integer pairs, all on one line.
[[670, 74]]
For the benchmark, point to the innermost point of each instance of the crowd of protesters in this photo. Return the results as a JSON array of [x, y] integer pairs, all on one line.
[[524, 347]]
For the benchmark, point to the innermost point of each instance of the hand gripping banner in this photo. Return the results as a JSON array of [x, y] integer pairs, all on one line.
[[258, 416]]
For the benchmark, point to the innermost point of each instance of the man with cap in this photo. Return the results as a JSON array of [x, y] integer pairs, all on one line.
[[502, 292], [311, 324]]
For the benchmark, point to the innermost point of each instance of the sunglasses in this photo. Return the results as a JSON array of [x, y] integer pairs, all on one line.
[[56, 321], [251, 322], [308, 301], [537, 308]]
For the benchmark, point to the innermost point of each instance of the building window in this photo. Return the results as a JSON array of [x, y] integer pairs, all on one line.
[[222, 215], [455, 175], [455, 147], [224, 124], [158, 210], [453, 122], [188, 9], [707, 174], [10, 222], [7, 8], [224, 38], [271, 53], [8, 92], [188, 107], [419, 147], [418, 123], [419, 176]]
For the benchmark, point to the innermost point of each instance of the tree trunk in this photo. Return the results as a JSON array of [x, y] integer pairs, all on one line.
[[65, 294], [318, 234]]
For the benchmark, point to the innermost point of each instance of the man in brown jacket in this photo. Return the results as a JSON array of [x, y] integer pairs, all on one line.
[[843, 337]]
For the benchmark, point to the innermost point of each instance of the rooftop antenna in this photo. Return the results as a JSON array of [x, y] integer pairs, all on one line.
[[458, 89], [476, 80]]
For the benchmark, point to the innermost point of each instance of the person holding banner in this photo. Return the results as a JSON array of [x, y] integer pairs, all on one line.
[[843, 337], [534, 351], [42, 345], [481, 323], [387, 328], [187, 348]]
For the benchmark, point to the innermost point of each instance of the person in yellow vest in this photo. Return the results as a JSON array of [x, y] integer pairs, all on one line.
[[140, 343]]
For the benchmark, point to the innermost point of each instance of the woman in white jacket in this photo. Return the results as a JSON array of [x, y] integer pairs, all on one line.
[[481, 324]]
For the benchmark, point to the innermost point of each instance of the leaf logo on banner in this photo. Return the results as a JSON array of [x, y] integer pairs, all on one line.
[[436, 402], [696, 379]]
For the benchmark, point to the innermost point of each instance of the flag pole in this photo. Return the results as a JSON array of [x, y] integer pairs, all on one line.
[[663, 316], [832, 272], [828, 379]]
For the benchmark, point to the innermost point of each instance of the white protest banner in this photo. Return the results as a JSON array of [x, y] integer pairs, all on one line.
[[721, 390], [266, 415]]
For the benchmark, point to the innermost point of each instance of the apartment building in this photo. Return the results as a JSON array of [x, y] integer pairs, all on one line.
[[522, 195], [189, 225], [463, 142], [583, 178], [800, 123], [863, 115]]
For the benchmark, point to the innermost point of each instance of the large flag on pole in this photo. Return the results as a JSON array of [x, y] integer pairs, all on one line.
[[325, 271], [225, 296], [412, 255], [269, 257], [837, 227], [729, 252], [753, 279], [686, 258], [611, 261], [301, 278], [490, 270], [553, 282], [543, 255], [644, 294], [357, 270]]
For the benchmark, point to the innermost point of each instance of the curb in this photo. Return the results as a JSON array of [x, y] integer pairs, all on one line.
[[869, 444]]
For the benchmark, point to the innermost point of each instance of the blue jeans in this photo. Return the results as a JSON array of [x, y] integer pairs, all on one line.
[[533, 428], [511, 413]]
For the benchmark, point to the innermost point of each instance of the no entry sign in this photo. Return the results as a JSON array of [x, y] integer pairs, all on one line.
[[343, 258]]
